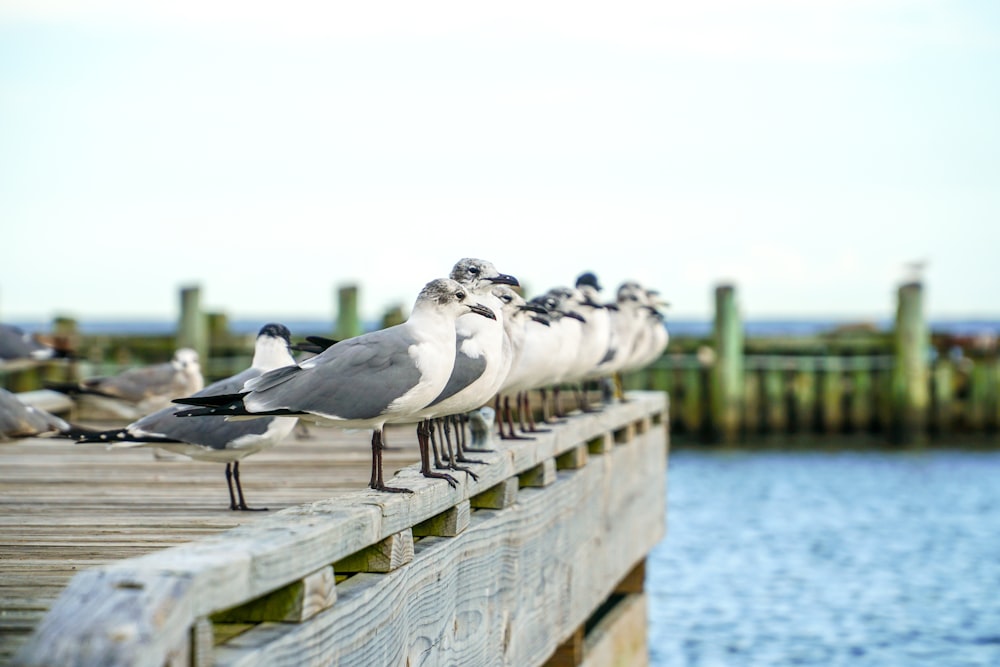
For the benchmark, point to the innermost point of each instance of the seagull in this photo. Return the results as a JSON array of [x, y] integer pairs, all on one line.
[[378, 378], [653, 340], [482, 354], [141, 391], [19, 420], [516, 315], [15, 343], [533, 366], [627, 327], [216, 438]]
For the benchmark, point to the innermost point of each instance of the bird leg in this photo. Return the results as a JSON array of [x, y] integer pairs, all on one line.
[[229, 483], [548, 415], [234, 475], [376, 482], [452, 458], [438, 442], [530, 413], [507, 415], [424, 431], [425, 428]]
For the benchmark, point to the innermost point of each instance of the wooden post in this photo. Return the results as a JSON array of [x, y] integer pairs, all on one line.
[[774, 397], [910, 375], [192, 330], [862, 395], [944, 396], [348, 322], [833, 396], [727, 373]]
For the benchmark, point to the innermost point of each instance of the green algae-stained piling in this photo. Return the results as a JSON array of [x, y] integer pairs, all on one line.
[[727, 390], [192, 329], [348, 320], [910, 377], [144, 565]]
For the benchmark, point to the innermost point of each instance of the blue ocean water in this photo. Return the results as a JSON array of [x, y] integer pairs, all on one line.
[[855, 558]]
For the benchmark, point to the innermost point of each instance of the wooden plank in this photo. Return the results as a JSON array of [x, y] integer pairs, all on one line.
[[252, 553], [505, 591], [497, 497], [387, 555], [570, 652], [619, 638], [573, 459], [449, 523], [541, 475], [294, 603]]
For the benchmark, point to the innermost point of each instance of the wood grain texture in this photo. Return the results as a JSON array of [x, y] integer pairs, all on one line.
[[194, 558]]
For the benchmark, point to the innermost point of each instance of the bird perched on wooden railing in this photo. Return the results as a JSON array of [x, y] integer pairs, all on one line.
[[378, 378], [216, 438]]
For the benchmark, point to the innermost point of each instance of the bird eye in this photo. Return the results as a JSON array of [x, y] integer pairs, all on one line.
[[473, 270], [460, 295]]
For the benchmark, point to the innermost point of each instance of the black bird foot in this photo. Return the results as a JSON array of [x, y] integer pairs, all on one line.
[[390, 489], [452, 482], [246, 508], [479, 450], [468, 472], [516, 437], [539, 430], [465, 459]]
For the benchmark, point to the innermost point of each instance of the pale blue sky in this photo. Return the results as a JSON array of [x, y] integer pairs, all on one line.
[[272, 151]]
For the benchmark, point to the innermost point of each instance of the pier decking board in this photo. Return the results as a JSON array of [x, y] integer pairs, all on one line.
[[67, 508]]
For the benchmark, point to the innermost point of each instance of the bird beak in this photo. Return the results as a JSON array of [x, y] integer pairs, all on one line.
[[533, 308], [504, 279], [541, 320], [575, 315], [480, 309]]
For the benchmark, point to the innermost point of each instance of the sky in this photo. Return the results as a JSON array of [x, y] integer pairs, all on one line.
[[269, 153]]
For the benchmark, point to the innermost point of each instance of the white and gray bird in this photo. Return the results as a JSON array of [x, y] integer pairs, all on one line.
[[381, 377], [19, 420], [216, 439], [16, 343], [482, 354], [140, 391]]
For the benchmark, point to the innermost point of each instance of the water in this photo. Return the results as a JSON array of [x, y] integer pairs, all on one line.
[[817, 558]]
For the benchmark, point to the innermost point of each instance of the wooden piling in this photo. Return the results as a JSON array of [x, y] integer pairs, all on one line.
[[910, 376], [192, 330], [348, 321], [727, 373]]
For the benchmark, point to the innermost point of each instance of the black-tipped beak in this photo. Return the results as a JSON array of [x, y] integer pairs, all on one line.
[[541, 320], [612, 306], [504, 279], [587, 301], [535, 308], [575, 315], [480, 309]]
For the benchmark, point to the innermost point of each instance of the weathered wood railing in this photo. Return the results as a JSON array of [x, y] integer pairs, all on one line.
[[509, 569]]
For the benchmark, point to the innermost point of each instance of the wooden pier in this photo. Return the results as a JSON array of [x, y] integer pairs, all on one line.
[[906, 386], [121, 558]]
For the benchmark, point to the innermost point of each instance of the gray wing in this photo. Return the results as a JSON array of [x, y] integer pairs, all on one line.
[[18, 420], [355, 379], [214, 432], [466, 371], [137, 384], [16, 344]]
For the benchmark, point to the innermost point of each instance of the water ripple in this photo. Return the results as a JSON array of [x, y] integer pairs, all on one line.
[[816, 558]]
